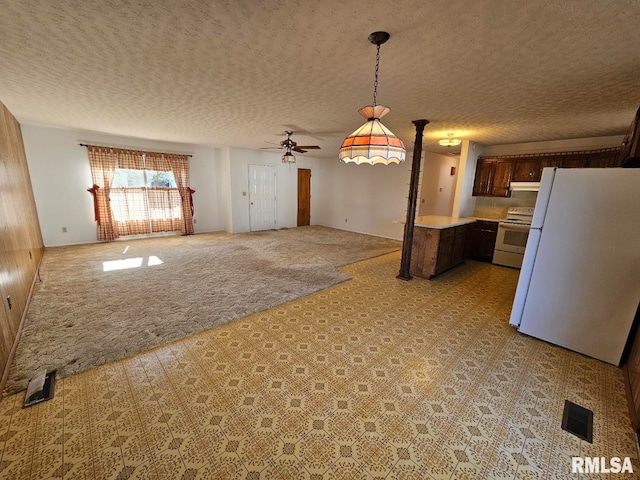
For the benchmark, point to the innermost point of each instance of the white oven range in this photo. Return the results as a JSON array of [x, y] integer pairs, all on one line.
[[513, 233]]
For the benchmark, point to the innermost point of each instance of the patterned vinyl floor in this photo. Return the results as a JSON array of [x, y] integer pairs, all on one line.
[[371, 378]]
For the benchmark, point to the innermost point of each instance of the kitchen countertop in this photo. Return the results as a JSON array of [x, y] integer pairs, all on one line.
[[487, 219], [439, 222]]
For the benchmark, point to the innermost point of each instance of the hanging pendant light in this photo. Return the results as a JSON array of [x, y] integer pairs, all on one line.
[[373, 142]]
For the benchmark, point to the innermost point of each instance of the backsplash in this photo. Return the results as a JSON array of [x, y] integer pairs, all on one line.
[[496, 207]]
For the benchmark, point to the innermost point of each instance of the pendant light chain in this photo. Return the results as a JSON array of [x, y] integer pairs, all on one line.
[[375, 83]]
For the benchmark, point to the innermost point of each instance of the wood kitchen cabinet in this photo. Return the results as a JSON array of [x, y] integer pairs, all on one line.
[[481, 240], [529, 169], [493, 177], [526, 170], [575, 161], [608, 159], [482, 181], [435, 250], [546, 162], [495, 174]]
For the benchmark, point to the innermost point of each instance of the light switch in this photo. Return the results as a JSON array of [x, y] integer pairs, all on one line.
[[244, 194]]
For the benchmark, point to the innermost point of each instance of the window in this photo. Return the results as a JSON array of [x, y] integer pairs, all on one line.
[[145, 201], [128, 177], [139, 192]]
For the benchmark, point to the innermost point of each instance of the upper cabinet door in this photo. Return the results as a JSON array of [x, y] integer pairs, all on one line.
[[501, 178], [482, 182], [526, 170], [604, 160], [546, 163], [493, 176]]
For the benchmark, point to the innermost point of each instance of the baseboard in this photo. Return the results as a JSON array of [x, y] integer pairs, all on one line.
[[126, 238], [14, 347], [72, 244], [357, 231]]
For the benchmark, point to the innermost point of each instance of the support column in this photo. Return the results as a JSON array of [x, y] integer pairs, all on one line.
[[412, 202]]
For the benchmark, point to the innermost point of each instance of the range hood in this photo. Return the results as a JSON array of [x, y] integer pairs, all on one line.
[[524, 186]]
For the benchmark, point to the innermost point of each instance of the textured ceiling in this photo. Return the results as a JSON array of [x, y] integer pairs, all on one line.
[[238, 72]]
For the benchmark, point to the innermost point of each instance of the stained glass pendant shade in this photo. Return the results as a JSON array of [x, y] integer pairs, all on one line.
[[373, 142]]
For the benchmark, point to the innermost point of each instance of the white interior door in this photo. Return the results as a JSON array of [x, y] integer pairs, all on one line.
[[262, 197]]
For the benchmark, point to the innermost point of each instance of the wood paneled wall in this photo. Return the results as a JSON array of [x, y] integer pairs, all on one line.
[[21, 243]]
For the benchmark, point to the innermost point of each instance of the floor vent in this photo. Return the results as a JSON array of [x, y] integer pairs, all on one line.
[[578, 421], [40, 388]]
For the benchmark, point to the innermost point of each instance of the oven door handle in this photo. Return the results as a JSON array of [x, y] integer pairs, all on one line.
[[513, 226]]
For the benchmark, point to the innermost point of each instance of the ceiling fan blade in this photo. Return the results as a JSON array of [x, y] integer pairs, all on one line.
[[271, 148], [309, 147], [299, 150]]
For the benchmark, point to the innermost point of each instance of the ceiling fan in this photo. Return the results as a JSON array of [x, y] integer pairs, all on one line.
[[290, 145]]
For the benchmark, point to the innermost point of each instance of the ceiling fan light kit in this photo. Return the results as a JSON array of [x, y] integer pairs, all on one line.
[[373, 143], [288, 157], [291, 146]]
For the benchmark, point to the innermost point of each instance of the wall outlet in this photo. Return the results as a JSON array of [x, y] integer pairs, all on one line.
[[345, 220], [64, 230], [244, 194], [194, 221]]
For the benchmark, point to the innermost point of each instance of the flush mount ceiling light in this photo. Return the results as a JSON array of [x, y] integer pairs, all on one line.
[[450, 142], [373, 142]]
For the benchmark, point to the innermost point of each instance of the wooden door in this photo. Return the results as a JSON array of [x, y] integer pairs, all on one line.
[[304, 196], [262, 197]]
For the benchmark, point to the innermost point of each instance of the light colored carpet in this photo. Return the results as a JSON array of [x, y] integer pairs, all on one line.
[[82, 316]]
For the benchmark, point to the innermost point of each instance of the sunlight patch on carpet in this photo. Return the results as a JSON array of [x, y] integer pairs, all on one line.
[[125, 263]]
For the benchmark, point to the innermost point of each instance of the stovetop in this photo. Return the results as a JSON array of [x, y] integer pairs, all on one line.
[[519, 216]]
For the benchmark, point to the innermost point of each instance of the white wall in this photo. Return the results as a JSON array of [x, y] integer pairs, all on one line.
[[438, 186], [225, 188], [60, 175], [286, 188], [369, 197], [464, 202]]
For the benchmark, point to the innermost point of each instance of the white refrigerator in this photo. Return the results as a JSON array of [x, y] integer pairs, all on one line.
[[579, 286]]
